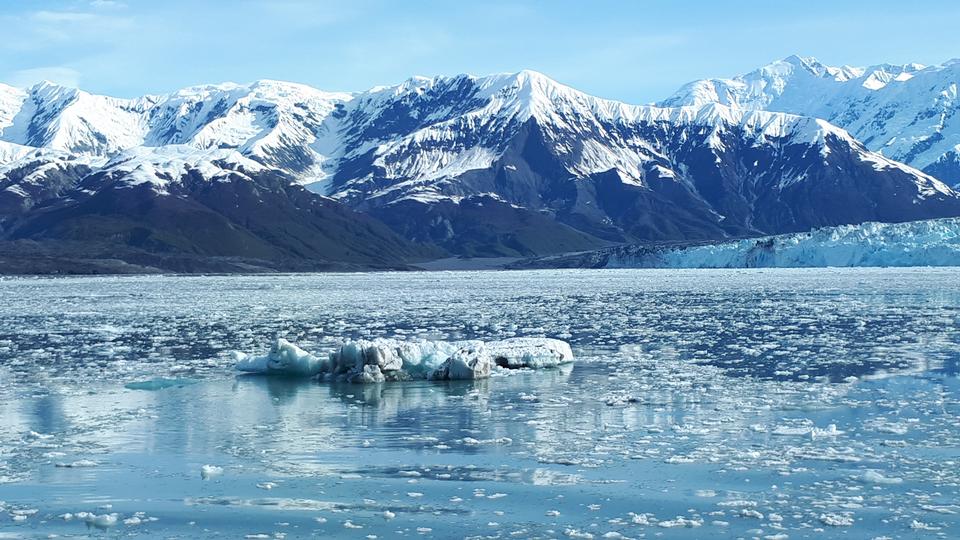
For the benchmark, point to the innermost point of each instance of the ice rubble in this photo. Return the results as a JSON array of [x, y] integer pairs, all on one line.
[[380, 360]]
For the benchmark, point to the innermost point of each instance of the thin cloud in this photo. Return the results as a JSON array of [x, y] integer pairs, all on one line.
[[61, 75], [107, 4]]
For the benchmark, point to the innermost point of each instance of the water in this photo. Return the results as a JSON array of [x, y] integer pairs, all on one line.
[[740, 403]]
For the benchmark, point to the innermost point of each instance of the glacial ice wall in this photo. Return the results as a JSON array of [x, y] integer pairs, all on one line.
[[918, 243]]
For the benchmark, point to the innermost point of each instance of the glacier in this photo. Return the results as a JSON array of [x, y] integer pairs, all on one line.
[[383, 359], [920, 243]]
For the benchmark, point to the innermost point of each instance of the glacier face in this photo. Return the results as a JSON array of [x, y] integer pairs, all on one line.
[[920, 243], [906, 112]]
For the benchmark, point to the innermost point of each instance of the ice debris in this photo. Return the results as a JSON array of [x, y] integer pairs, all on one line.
[[209, 471], [380, 360]]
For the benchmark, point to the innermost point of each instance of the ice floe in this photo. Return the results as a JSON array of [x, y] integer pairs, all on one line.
[[380, 360]]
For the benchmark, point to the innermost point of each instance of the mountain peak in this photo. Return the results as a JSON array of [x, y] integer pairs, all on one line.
[[802, 61], [48, 91]]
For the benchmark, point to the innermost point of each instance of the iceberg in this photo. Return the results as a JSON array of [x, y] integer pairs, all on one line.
[[465, 364], [380, 360], [284, 358]]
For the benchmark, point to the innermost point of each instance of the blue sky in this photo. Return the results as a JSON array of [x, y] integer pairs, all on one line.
[[635, 51]]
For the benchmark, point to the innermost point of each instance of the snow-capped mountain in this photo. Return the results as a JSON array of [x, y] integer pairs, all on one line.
[[205, 178], [265, 120], [910, 113], [508, 164], [615, 171]]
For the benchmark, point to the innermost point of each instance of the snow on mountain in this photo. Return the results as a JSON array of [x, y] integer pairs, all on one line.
[[160, 166], [278, 123], [616, 171], [507, 164], [271, 121], [11, 99], [437, 129], [71, 120], [907, 112], [919, 243]]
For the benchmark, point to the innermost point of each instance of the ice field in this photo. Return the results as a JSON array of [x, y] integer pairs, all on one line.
[[776, 403]]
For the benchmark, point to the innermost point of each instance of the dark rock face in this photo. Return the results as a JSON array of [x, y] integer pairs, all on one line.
[[946, 168], [692, 189], [268, 224]]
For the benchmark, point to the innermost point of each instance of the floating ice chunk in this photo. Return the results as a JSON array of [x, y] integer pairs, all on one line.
[[209, 471], [837, 520], [533, 353], [681, 521], [380, 360], [876, 477], [918, 525], [23, 513], [284, 358], [80, 463], [102, 521], [830, 431], [355, 361], [465, 364]]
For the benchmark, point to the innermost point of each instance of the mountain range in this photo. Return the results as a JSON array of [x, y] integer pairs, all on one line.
[[281, 176], [906, 112]]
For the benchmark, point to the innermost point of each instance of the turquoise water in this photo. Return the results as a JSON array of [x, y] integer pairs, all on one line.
[[779, 403]]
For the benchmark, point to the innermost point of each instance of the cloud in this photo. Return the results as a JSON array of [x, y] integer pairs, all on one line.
[[57, 17], [54, 30], [308, 13], [61, 75], [107, 4]]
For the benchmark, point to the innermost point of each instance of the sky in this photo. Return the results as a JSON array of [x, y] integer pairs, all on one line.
[[635, 51]]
